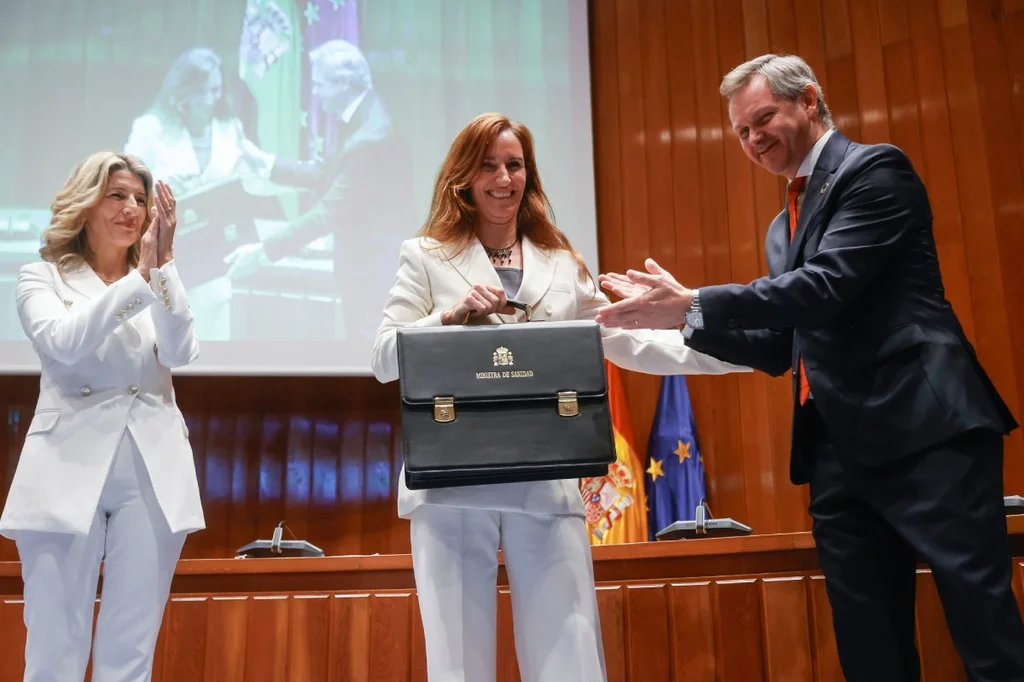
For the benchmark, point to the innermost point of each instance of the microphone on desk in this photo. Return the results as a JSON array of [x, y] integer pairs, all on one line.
[[703, 525], [275, 541], [699, 526], [277, 546]]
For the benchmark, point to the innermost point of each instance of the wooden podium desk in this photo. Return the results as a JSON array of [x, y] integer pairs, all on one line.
[[715, 610]]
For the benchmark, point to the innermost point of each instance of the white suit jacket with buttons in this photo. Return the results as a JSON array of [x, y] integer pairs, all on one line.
[[105, 355], [430, 280]]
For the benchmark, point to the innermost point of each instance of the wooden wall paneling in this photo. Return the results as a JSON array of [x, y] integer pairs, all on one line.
[[383, 528], [635, 177], [787, 637], [632, 105], [243, 503], [649, 649], [19, 394], [940, 662], [664, 36], [782, 24], [272, 459], [840, 69], [390, 634], [938, 169], [620, 214], [349, 649], [417, 649], [227, 631], [607, 133], [351, 482], [12, 636], [657, 138], [509, 671], [1006, 192], [826, 656], [694, 632], [766, 423], [974, 175], [870, 71], [738, 610], [755, 29], [769, 199], [298, 475], [786, 33], [721, 446], [181, 650], [211, 436], [610, 605], [742, 624], [328, 474], [269, 629], [900, 86], [687, 197], [810, 38], [745, 246], [1012, 37], [309, 637]]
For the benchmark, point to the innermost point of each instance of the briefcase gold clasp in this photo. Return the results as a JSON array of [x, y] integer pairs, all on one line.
[[567, 404], [444, 409]]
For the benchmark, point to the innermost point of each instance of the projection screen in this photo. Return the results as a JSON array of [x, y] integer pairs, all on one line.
[[220, 99]]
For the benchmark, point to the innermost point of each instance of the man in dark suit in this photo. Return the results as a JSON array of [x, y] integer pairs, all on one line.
[[897, 428], [363, 190]]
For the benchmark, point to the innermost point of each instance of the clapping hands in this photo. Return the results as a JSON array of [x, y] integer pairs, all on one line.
[[650, 300]]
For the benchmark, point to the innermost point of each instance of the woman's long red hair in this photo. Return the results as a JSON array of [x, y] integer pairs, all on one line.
[[453, 216]]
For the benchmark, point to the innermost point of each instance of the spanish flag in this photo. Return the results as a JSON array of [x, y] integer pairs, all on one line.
[[616, 504]]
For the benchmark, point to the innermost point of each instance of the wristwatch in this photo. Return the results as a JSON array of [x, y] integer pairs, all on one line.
[[694, 318]]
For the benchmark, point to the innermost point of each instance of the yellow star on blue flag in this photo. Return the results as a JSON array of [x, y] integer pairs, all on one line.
[[678, 487], [655, 469]]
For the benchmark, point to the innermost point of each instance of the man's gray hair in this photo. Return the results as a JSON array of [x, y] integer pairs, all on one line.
[[787, 77], [335, 54]]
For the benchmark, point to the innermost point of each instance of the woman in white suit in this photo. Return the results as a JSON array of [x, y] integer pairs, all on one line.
[[191, 139], [106, 472], [489, 238]]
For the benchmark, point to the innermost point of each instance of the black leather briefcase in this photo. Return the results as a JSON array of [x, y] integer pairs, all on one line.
[[502, 403]]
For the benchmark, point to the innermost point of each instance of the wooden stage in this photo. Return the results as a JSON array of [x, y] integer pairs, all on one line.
[[714, 610]]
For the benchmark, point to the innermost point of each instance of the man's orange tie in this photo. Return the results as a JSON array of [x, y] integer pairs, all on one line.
[[793, 206]]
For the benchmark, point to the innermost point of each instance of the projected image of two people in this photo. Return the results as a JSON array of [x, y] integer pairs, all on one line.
[[301, 139], [260, 218]]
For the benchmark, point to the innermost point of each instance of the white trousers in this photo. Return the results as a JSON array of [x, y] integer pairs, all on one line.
[[551, 580], [130, 535]]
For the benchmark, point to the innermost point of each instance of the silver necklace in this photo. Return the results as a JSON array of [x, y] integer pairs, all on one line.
[[502, 256]]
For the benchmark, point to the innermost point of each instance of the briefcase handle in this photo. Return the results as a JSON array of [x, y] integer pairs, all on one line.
[[519, 305]]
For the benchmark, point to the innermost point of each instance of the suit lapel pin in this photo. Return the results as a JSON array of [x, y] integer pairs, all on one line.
[[67, 303], [823, 188]]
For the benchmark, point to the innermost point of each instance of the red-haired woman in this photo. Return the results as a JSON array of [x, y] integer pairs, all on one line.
[[489, 238]]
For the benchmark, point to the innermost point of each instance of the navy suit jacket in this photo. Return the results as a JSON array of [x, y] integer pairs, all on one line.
[[858, 295], [364, 190]]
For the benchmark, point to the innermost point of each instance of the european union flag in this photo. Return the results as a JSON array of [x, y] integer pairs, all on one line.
[[675, 473]]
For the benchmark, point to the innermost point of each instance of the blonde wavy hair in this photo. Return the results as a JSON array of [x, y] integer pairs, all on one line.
[[453, 216], [64, 240]]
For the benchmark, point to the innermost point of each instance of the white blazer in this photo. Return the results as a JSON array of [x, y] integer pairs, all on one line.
[[105, 354], [168, 152], [429, 282]]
